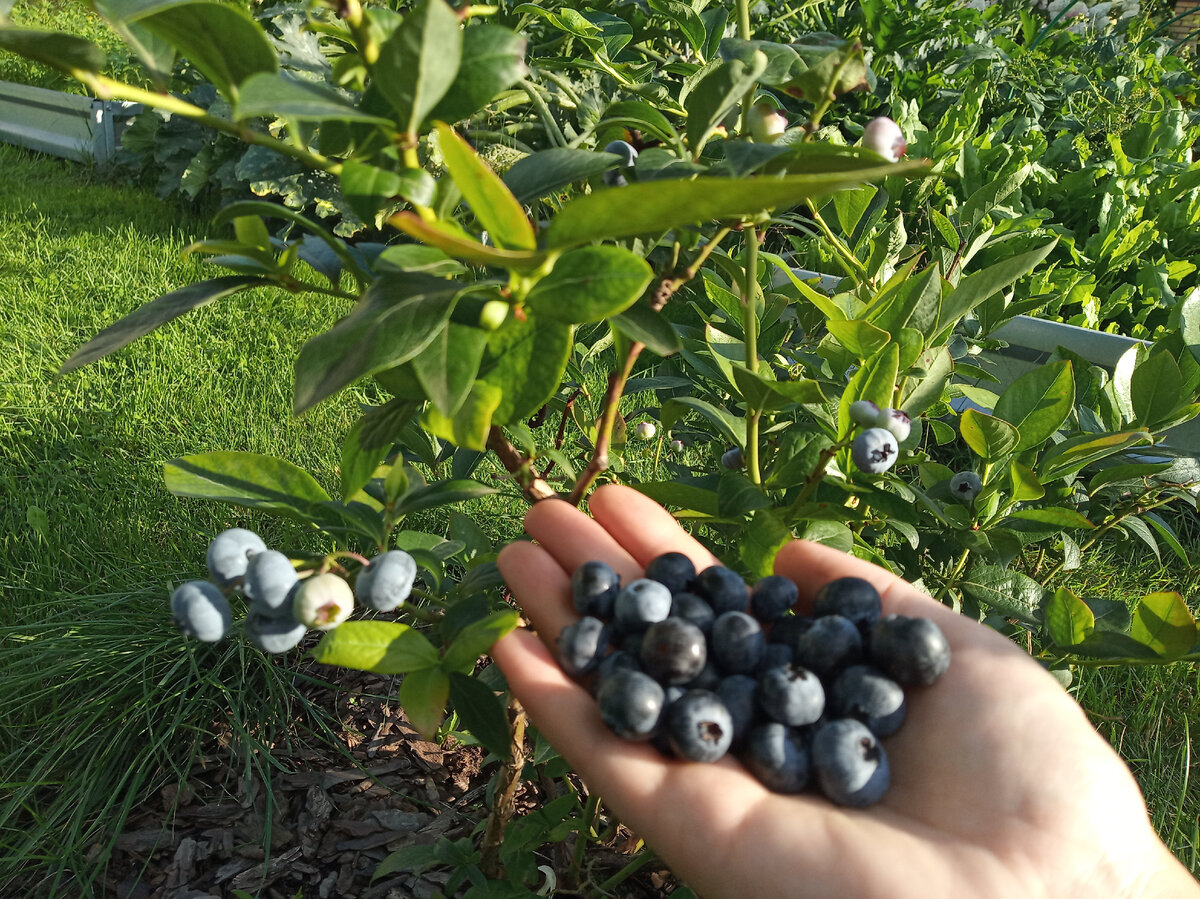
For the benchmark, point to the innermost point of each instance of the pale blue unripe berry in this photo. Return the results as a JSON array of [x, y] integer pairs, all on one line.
[[201, 610], [965, 486], [864, 412], [875, 450], [895, 421]]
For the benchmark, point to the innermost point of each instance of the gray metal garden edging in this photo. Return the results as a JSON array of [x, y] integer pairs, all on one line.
[[61, 124]]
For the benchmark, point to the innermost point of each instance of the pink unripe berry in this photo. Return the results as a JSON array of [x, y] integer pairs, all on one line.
[[895, 421], [646, 430], [677, 445], [766, 123], [885, 137]]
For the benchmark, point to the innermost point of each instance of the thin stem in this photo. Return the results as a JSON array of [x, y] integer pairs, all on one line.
[[581, 836], [426, 615], [553, 131], [109, 89], [744, 32], [811, 482], [847, 258], [504, 805], [750, 327], [297, 286], [533, 486], [640, 861], [952, 581]]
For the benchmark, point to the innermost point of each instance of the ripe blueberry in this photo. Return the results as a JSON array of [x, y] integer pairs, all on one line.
[[273, 633], [850, 597], [965, 486], [911, 651], [850, 765], [874, 450], [864, 693], [778, 756], [631, 704], [738, 643], [832, 643], [628, 154], [673, 651], [673, 570], [739, 692], [385, 583], [723, 588], [641, 603], [270, 576], [772, 597], [581, 646], [693, 608], [229, 552], [699, 727], [201, 610], [791, 695], [733, 459], [594, 588]]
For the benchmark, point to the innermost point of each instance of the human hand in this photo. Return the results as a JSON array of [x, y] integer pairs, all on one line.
[[1000, 786]]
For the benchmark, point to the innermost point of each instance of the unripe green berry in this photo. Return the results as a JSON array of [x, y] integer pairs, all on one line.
[[323, 602]]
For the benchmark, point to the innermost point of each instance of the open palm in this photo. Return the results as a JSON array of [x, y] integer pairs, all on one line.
[[1000, 787]]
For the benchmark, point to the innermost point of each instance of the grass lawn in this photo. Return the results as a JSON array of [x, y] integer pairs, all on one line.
[[104, 702]]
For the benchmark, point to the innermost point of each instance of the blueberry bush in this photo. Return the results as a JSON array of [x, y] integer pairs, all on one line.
[[566, 211]]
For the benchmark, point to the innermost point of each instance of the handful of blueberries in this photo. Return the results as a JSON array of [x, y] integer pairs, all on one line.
[[702, 665]]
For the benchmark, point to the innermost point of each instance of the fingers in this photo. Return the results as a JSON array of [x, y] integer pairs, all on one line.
[[541, 587], [643, 527], [572, 538]]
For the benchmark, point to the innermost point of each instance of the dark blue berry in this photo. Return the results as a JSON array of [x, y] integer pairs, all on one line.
[[739, 692], [788, 631], [699, 727], [673, 651], [865, 693], [832, 643], [615, 661], [594, 588], [631, 704], [850, 597], [738, 643], [675, 571], [775, 655], [772, 597], [641, 603], [723, 588], [850, 765], [791, 695], [582, 645], [911, 651], [778, 756], [693, 608]]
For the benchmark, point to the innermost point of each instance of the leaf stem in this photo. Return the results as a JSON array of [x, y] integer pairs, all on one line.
[[750, 328], [642, 859], [553, 131], [952, 580], [814, 478]]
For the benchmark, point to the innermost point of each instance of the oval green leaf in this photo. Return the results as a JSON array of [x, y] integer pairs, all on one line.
[[383, 647]]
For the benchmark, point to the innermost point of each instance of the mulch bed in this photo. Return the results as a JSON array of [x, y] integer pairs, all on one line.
[[334, 819]]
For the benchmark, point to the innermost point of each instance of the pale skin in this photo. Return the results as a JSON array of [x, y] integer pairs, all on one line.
[[1000, 785]]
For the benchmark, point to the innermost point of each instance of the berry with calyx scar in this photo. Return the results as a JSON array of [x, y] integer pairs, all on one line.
[[229, 553], [386, 581], [323, 601], [895, 421], [875, 450], [965, 486]]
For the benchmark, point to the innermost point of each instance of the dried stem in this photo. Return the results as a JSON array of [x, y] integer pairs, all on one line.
[[533, 485], [562, 426], [504, 806]]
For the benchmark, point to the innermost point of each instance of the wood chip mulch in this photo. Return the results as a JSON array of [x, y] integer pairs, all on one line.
[[328, 818]]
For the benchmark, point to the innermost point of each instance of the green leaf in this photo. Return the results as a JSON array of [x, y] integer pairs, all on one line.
[[1156, 390], [1023, 483], [1163, 622], [419, 62], [1038, 402], [550, 170], [413, 860], [493, 204], [641, 323], [1137, 471], [1111, 614], [55, 49], [732, 428], [861, 338], [589, 284], [470, 425], [482, 712], [652, 207], [455, 242], [990, 437], [221, 40], [447, 367], [640, 116], [246, 479], [441, 493], [737, 496], [276, 95], [368, 189], [1167, 533], [369, 441], [1189, 322], [690, 497], [1007, 592], [477, 638], [423, 695], [1070, 456], [717, 93], [829, 533], [384, 647], [493, 60], [766, 534], [683, 17], [396, 318], [1059, 518], [922, 392], [158, 312], [525, 360], [974, 289], [274, 210], [1068, 621]]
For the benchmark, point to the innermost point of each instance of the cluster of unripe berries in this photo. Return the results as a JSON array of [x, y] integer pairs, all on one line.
[[283, 603], [875, 449], [701, 665]]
